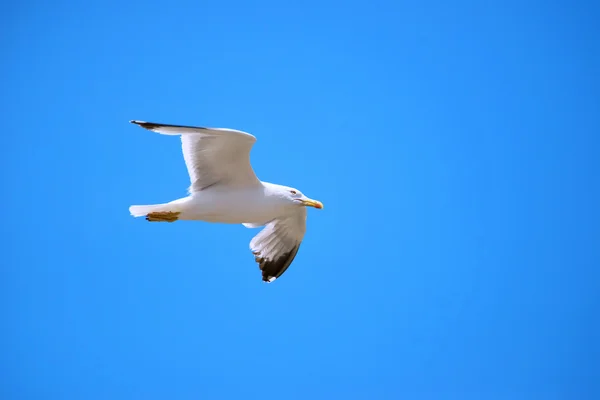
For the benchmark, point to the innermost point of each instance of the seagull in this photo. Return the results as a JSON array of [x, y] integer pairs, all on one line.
[[225, 189]]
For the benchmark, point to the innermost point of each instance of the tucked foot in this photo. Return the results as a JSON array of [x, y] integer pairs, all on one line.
[[164, 216]]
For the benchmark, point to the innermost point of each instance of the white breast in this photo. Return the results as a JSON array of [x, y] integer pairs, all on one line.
[[248, 205]]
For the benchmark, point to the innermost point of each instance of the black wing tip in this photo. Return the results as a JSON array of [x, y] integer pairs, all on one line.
[[144, 124], [273, 269]]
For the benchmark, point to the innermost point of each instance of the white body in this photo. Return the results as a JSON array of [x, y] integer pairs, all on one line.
[[256, 205]]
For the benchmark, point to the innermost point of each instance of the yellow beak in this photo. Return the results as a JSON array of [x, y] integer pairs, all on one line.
[[312, 203]]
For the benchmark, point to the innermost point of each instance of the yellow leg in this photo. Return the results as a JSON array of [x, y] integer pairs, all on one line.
[[166, 216]]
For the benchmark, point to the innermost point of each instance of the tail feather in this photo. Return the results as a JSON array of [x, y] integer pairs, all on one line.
[[142, 211]]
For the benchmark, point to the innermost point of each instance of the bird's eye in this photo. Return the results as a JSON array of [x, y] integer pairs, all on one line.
[[293, 192]]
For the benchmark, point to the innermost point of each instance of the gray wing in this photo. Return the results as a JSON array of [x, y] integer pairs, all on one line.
[[276, 246], [212, 155]]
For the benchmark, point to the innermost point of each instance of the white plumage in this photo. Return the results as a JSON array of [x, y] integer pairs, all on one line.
[[224, 188]]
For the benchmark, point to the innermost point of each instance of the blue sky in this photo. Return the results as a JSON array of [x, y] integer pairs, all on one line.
[[454, 145]]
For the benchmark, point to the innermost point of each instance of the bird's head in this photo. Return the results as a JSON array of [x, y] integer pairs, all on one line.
[[297, 197]]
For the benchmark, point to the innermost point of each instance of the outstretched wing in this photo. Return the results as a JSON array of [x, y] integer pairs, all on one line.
[[212, 155], [276, 246]]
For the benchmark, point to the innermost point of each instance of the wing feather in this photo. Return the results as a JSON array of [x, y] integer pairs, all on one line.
[[212, 155], [276, 246]]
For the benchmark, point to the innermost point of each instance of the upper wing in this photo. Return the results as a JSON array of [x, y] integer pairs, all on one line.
[[276, 245], [212, 155]]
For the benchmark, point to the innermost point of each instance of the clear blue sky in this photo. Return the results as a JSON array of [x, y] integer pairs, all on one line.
[[455, 146]]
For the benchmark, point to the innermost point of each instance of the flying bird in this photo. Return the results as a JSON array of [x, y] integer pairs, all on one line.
[[225, 189]]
